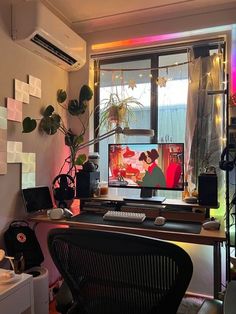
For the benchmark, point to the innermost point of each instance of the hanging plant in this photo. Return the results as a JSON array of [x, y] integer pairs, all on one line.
[[117, 111]]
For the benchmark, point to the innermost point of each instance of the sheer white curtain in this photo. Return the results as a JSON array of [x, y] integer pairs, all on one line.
[[204, 118]]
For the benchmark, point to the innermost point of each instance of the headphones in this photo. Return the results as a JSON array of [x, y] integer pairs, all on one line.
[[63, 187], [227, 165]]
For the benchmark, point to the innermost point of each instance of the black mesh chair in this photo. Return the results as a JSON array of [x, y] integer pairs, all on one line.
[[117, 273]]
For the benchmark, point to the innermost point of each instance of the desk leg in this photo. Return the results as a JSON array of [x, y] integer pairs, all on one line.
[[217, 269]]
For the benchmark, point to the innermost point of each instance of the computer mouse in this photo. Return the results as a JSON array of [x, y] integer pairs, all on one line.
[[160, 221]]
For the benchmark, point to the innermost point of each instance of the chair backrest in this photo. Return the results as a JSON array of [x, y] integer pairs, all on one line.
[[110, 272]]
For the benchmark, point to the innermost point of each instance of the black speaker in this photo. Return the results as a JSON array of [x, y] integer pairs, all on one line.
[[87, 183], [208, 190], [63, 187]]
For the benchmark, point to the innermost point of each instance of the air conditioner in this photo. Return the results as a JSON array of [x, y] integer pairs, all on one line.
[[36, 28]]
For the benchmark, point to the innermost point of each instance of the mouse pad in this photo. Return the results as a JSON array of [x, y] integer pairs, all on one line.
[[178, 226]]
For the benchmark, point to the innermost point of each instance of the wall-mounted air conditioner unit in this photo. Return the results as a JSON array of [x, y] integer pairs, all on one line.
[[36, 28]]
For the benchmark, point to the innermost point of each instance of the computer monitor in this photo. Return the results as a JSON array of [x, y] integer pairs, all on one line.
[[147, 166]]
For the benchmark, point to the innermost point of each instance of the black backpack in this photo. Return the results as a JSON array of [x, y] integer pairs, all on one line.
[[20, 240]]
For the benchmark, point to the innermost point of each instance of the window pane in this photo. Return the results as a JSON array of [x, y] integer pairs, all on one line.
[[124, 84], [172, 99]]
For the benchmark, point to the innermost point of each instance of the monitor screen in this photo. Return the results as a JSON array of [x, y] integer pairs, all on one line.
[[37, 198], [148, 166]]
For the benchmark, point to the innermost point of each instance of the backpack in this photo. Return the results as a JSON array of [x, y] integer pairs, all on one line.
[[20, 240]]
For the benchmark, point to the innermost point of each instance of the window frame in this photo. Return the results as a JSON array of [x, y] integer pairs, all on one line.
[[140, 54]]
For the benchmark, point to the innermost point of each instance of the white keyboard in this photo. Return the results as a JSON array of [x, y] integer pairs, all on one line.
[[124, 216]]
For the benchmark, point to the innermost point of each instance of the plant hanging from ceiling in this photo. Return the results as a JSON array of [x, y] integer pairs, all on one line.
[[51, 122], [117, 111]]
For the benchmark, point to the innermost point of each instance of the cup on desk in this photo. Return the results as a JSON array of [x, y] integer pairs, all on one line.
[[103, 188]]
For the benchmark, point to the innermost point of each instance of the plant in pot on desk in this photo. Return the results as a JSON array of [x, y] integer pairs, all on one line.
[[50, 123]]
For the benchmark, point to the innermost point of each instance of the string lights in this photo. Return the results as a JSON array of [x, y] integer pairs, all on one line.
[[161, 81]]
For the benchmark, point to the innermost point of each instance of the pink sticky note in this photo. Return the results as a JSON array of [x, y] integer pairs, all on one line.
[[14, 110]]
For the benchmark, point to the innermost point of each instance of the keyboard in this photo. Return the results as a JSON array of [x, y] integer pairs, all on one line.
[[124, 216]]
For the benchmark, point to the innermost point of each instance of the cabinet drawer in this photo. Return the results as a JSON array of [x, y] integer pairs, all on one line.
[[17, 302]]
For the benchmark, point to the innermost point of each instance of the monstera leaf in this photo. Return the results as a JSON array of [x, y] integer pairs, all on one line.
[[86, 93], [73, 139], [61, 96], [76, 108], [29, 125], [51, 124], [48, 111]]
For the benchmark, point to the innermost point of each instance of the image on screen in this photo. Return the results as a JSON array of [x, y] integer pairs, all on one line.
[[154, 166]]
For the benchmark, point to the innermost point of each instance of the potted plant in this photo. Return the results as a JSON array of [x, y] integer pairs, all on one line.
[[51, 122], [116, 111]]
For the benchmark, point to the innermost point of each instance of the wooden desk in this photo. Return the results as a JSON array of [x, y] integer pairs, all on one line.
[[205, 237]]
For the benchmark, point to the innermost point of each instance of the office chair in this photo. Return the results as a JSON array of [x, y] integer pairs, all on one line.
[[117, 273]]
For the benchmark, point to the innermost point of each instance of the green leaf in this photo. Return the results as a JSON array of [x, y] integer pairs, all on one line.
[[56, 118], [48, 111], [79, 139], [70, 139], [29, 125], [50, 125], [86, 93], [73, 107], [80, 159], [61, 96]]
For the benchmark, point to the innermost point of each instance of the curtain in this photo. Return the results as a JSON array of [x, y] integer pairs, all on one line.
[[204, 122]]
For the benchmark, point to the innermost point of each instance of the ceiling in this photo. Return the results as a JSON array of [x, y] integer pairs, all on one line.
[[94, 15]]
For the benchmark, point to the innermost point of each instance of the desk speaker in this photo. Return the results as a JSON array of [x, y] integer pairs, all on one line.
[[86, 183], [207, 190]]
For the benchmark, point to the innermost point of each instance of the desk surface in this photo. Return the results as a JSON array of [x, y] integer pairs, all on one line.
[[207, 237]]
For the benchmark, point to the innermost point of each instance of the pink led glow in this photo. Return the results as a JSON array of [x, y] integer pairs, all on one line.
[[158, 38], [136, 41], [233, 60]]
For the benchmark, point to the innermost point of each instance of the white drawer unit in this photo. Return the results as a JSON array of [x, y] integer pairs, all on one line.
[[16, 296]]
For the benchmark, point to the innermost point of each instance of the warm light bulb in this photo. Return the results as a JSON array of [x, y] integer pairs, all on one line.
[[217, 119], [218, 102]]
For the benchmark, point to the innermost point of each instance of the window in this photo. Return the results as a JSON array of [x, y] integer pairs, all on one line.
[[159, 81]]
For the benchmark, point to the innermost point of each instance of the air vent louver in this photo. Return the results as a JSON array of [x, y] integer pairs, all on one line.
[[42, 42]]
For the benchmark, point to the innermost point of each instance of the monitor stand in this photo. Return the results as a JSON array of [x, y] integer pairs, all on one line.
[[146, 196]]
